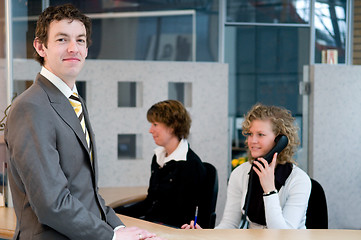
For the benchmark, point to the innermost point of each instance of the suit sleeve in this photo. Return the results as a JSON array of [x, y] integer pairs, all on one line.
[[34, 154], [112, 218]]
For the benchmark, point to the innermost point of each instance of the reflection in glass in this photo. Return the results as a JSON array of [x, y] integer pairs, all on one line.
[[266, 65], [97, 6], [127, 94], [127, 146], [268, 11], [21, 85], [143, 38], [180, 91], [23, 36], [164, 38], [331, 29]]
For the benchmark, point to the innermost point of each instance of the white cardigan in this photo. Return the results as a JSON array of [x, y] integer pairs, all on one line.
[[285, 210]]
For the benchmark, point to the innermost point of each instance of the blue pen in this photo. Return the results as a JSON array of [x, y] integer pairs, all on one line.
[[195, 218]]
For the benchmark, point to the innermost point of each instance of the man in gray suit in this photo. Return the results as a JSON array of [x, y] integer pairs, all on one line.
[[53, 166]]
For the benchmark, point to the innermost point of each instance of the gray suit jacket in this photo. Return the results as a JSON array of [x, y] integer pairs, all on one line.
[[53, 184]]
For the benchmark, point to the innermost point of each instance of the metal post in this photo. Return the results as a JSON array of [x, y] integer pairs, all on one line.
[[349, 35], [221, 26], [9, 51]]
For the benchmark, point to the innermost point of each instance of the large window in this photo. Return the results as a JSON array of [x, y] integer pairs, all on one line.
[[268, 65], [275, 11], [134, 30], [331, 31], [267, 44]]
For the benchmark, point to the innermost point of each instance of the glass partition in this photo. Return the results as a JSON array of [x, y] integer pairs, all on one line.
[[330, 31], [267, 43], [133, 30], [267, 65], [144, 36], [268, 11], [181, 91]]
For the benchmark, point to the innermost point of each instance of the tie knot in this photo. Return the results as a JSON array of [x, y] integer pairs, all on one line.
[[75, 102], [75, 97]]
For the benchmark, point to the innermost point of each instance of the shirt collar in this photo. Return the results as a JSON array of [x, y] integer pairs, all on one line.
[[179, 154], [60, 84]]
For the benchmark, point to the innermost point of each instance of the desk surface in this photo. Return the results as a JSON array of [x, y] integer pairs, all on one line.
[[8, 222], [113, 196], [244, 234], [117, 196]]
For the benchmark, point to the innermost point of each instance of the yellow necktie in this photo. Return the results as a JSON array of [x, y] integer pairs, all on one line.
[[75, 102]]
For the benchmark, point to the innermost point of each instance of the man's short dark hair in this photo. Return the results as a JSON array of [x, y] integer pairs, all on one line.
[[58, 13]]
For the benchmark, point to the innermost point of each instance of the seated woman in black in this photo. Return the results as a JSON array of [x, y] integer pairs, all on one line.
[[177, 173]]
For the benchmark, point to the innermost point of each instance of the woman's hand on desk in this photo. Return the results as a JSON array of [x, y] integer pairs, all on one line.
[[191, 226]]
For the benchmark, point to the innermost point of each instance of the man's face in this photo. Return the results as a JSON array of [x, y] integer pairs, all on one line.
[[66, 49]]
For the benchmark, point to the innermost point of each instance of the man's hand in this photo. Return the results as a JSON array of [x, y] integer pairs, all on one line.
[[135, 233]]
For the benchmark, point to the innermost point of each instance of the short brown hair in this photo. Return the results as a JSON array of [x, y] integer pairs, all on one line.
[[58, 13], [282, 123], [173, 114]]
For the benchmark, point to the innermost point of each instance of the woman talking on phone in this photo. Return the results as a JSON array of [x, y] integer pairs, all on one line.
[[279, 192]]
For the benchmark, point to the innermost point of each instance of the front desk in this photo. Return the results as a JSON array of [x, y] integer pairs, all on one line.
[[118, 196], [8, 224], [113, 196]]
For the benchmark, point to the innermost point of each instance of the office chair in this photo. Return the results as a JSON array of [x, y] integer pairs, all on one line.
[[316, 215], [207, 208]]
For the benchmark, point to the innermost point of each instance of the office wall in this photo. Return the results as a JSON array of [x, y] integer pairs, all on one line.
[[335, 140], [208, 109]]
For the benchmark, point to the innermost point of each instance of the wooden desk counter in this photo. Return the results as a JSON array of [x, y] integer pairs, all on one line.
[[116, 196], [113, 196], [8, 224], [246, 234]]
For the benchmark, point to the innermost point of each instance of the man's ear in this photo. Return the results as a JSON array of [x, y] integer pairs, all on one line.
[[39, 47]]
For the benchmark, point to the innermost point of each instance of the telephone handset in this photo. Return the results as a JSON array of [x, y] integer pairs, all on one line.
[[281, 143]]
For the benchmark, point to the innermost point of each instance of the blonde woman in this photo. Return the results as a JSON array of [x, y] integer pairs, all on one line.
[[280, 189]]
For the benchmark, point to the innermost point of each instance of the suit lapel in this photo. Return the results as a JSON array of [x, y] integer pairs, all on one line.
[[63, 107], [91, 134]]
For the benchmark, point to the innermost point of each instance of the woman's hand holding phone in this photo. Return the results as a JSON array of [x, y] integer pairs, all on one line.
[[266, 172]]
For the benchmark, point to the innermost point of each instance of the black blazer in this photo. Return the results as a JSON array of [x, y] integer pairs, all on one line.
[[173, 194]]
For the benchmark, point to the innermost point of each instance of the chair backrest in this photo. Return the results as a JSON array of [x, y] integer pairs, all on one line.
[[316, 215], [207, 208]]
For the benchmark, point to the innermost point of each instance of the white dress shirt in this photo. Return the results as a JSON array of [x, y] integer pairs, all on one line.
[[179, 154]]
